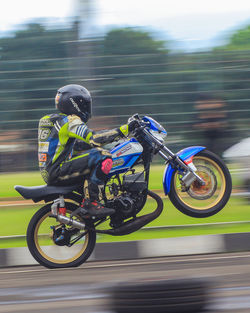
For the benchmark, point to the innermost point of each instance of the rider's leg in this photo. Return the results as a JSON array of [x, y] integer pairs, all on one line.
[[96, 164], [101, 162]]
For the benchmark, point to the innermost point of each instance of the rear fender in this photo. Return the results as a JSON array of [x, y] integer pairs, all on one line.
[[185, 155]]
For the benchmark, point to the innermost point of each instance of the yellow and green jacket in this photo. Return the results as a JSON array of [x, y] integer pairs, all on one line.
[[58, 133]]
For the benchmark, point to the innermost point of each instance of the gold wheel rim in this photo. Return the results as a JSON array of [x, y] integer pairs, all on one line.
[[51, 259], [222, 190]]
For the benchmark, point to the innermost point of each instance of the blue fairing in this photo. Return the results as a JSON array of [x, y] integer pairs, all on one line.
[[121, 145], [129, 161], [124, 161], [183, 154], [154, 125]]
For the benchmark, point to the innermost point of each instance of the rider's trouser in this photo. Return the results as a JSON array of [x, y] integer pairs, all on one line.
[[95, 164]]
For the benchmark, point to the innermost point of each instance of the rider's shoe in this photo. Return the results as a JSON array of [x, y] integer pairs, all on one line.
[[95, 209]]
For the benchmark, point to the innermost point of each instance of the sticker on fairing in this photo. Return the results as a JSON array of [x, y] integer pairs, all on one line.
[[123, 150], [118, 162]]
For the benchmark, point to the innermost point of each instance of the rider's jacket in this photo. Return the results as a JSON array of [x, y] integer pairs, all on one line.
[[57, 134]]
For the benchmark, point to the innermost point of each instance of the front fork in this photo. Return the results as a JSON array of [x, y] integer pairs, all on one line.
[[189, 170], [186, 166]]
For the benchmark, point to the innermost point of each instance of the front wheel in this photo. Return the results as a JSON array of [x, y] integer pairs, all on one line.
[[48, 240], [203, 200]]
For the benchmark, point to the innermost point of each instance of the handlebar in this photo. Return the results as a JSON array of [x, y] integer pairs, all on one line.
[[141, 133], [141, 124]]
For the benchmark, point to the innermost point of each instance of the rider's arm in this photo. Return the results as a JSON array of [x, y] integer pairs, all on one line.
[[79, 130]]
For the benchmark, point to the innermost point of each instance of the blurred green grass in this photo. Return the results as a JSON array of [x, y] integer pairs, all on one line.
[[15, 219], [9, 180]]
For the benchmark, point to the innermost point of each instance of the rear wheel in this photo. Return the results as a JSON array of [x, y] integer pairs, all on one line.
[[44, 232], [203, 200]]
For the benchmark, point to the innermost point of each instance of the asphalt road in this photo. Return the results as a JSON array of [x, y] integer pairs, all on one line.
[[87, 288]]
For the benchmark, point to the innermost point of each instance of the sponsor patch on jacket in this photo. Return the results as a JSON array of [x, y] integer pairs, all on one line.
[[45, 122], [43, 147], [42, 164], [43, 133], [75, 119], [42, 157]]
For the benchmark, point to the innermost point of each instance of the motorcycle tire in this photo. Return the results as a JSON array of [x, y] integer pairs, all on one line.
[[41, 242], [203, 201]]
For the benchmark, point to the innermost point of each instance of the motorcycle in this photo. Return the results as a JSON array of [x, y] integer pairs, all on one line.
[[196, 181]]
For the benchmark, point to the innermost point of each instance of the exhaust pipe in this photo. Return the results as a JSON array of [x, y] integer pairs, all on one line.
[[127, 228], [62, 218], [133, 225], [69, 221]]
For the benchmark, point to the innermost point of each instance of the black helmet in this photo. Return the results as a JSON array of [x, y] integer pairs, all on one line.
[[74, 99]]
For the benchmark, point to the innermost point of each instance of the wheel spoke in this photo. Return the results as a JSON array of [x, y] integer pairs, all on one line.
[[201, 197]]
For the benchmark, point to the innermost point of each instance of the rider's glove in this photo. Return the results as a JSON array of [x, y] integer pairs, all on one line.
[[123, 130], [132, 124]]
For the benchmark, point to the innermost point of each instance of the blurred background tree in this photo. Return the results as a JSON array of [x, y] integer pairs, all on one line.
[[130, 58], [240, 40], [33, 61], [128, 70]]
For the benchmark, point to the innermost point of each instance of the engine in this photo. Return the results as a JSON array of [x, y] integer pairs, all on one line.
[[128, 198]]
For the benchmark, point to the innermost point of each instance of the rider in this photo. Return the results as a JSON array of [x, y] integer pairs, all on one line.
[[61, 134]]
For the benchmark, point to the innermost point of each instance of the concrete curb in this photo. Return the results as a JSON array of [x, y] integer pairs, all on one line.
[[188, 245]]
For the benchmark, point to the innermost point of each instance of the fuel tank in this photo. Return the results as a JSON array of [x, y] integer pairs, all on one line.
[[125, 154]]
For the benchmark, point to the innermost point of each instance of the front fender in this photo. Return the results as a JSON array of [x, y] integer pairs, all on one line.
[[184, 155]]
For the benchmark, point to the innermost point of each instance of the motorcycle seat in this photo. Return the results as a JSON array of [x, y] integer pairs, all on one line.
[[38, 193]]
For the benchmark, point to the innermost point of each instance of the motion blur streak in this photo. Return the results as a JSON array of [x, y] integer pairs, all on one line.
[[89, 286]]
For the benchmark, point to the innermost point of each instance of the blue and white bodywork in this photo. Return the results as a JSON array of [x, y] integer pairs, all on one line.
[[155, 128], [126, 154]]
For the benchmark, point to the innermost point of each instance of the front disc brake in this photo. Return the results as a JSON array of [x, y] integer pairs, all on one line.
[[203, 192]]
